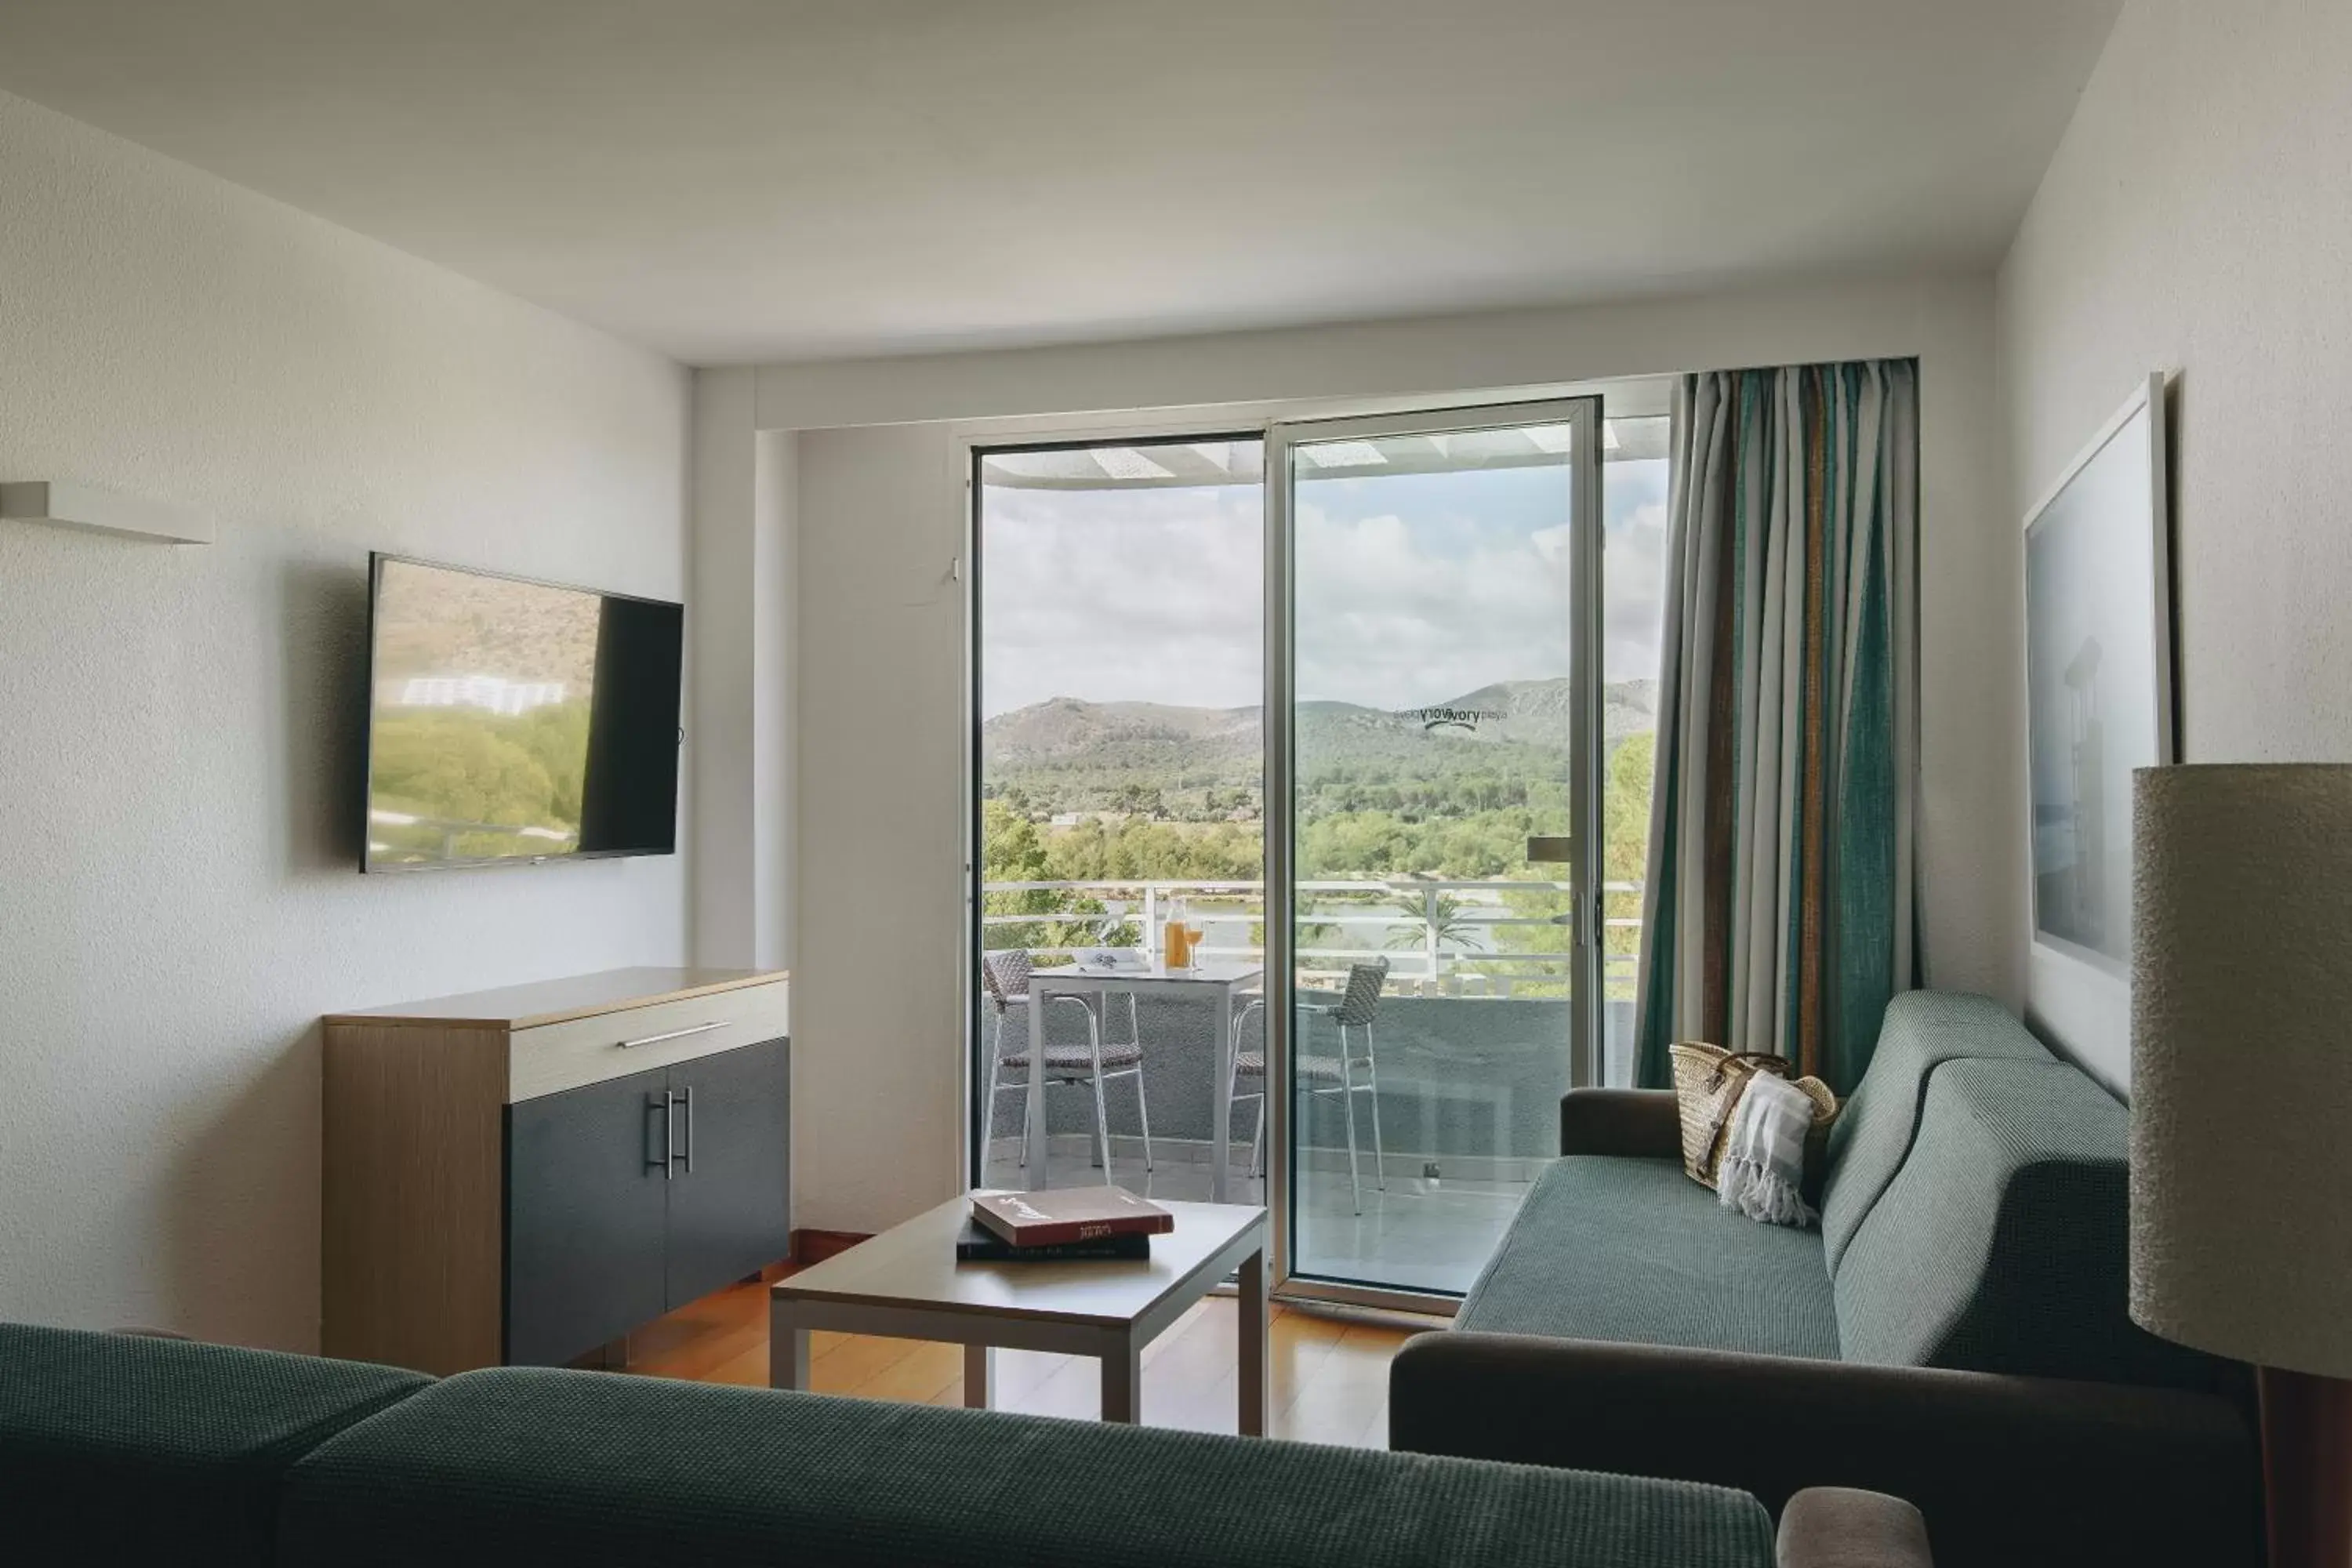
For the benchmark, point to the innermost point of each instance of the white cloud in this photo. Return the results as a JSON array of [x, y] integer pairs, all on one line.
[[1397, 614], [1142, 595], [1155, 595], [1633, 618]]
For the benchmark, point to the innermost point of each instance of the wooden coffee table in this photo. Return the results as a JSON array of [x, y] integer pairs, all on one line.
[[906, 1284]]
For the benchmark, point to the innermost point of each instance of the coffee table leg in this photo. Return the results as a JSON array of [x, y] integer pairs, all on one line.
[[979, 1369], [788, 1350], [1122, 1380], [1253, 1310]]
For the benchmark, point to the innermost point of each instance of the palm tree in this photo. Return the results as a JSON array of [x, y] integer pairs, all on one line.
[[1445, 917]]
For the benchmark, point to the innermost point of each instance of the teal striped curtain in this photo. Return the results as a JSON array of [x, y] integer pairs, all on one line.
[[1777, 908]]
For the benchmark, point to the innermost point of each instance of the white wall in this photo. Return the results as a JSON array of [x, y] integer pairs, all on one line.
[[179, 898], [880, 805], [738, 723], [879, 810], [2195, 219]]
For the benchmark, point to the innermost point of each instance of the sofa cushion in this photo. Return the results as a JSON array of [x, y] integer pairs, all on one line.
[[585, 1468], [1874, 1132], [120, 1448], [2001, 1245], [1633, 1250]]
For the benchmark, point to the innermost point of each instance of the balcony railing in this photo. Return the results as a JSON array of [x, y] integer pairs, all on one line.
[[1454, 933]]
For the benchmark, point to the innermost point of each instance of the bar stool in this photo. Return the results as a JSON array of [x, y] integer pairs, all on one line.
[[1346, 1075], [1006, 975]]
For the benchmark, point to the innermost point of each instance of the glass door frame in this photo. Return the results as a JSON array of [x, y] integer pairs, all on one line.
[[1583, 415]]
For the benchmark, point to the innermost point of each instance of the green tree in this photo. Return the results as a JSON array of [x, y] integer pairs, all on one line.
[[1625, 823], [1012, 851], [1448, 814]]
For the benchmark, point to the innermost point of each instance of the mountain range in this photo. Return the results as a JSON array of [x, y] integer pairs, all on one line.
[[1067, 746]]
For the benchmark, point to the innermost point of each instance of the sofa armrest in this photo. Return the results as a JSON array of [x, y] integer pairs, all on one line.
[[2006, 1470], [1637, 1122], [1839, 1527]]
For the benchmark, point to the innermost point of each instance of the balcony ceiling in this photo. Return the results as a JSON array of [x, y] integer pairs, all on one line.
[[1179, 465], [737, 180]]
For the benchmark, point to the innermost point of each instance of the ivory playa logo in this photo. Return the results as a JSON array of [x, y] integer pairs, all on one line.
[[1449, 717]]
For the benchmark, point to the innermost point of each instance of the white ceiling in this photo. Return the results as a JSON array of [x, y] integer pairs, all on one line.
[[734, 180]]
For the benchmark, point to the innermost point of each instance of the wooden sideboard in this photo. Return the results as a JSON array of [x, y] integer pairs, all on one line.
[[521, 1176]]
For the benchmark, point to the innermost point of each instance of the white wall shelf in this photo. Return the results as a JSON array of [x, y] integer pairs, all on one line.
[[86, 506]]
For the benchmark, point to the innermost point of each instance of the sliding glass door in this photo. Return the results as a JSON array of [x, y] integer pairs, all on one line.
[[1329, 694], [1432, 909]]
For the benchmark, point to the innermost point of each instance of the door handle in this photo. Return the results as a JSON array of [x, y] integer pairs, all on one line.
[[676, 1033], [1583, 918], [661, 1102]]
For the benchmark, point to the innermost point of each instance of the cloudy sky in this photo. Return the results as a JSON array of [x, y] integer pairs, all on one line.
[[1412, 589]]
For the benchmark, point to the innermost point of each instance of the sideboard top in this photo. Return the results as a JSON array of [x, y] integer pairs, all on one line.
[[557, 1001]]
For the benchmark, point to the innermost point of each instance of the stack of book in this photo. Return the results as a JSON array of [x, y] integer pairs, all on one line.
[[1060, 1225]]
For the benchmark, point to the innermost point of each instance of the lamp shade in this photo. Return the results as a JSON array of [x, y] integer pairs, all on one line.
[[2241, 1062]]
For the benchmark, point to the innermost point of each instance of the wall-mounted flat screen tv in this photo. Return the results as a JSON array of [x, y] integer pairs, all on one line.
[[512, 721]]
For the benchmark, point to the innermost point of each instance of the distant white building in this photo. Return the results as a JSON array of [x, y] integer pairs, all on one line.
[[494, 693]]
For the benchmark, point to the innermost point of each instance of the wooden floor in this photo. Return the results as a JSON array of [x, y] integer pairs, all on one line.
[[1330, 1373]]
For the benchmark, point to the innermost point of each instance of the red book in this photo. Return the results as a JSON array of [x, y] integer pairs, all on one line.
[[1059, 1216]]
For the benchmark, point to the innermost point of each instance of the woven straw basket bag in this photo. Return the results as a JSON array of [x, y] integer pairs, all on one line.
[[1709, 1082]]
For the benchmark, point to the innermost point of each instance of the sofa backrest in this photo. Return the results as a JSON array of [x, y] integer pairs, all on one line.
[[2001, 1244], [1874, 1132], [590, 1469], [119, 1448]]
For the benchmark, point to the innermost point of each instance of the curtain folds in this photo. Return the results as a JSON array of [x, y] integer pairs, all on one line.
[[1778, 908]]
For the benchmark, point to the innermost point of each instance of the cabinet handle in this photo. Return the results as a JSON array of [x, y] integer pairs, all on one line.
[[689, 1096], [661, 1102], [677, 1034]]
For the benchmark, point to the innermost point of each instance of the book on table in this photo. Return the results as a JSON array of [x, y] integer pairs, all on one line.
[[978, 1244], [1060, 1215]]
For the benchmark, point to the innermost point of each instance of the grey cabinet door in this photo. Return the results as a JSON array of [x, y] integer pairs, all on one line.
[[586, 1211], [729, 1208]]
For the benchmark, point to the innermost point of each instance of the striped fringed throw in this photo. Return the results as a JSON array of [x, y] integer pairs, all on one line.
[[1763, 1170]]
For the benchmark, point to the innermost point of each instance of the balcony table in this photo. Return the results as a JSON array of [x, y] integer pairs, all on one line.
[[1213, 980]]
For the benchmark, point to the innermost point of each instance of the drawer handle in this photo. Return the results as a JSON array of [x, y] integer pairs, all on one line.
[[677, 1034]]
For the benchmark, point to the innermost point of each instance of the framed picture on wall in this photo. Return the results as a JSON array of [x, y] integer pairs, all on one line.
[[2098, 673]]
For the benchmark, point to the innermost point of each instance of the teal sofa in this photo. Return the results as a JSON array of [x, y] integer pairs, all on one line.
[[1953, 1332], [121, 1450]]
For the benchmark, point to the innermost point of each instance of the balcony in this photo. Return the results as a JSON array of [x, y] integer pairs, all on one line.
[[1471, 1043]]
